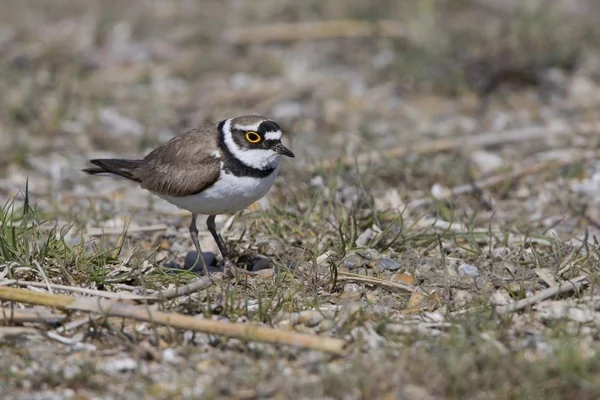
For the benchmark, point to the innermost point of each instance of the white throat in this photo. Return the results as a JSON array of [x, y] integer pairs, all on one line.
[[253, 158]]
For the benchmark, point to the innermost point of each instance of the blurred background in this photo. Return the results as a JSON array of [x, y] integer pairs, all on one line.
[[343, 77]]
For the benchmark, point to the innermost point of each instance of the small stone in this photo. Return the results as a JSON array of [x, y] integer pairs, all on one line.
[[415, 300], [462, 298], [317, 181], [440, 192], [310, 318], [190, 260], [424, 269], [294, 318], [266, 273], [324, 257], [451, 270], [71, 371], [500, 298], [414, 392], [271, 247], [120, 365], [326, 326], [351, 287], [515, 288], [369, 254], [364, 238], [486, 161], [371, 297], [353, 261], [389, 264], [204, 366], [404, 278], [170, 356], [468, 270], [260, 264], [352, 292], [500, 253]]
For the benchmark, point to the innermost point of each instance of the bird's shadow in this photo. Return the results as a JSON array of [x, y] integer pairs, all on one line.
[[191, 264]]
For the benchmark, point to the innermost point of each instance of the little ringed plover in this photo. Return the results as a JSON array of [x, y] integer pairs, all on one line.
[[215, 169]]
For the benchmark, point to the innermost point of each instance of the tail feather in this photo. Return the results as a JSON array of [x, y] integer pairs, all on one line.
[[124, 168]]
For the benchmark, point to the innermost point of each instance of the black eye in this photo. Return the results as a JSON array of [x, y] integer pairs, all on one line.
[[253, 137]]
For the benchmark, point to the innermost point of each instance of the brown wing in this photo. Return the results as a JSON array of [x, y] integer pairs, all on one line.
[[183, 166]]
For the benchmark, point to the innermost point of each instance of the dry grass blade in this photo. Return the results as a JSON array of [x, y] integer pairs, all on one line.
[[394, 287], [76, 289], [36, 314], [17, 331], [235, 330], [571, 285], [466, 141], [119, 231], [286, 32], [195, 286]]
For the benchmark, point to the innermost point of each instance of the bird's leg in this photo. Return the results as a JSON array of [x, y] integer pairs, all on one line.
[[194, 236], [210, 224], [212, 228]]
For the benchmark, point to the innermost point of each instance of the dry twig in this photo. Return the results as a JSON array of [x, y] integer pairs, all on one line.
[[394, 287], [35, 314], [116, 309], [194, 286], [129, 231], [573, 284]]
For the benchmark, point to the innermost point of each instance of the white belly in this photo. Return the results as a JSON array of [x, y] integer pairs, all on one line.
[[228, 195]]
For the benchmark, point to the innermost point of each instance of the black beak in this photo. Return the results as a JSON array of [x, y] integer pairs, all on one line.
[[284, 151]]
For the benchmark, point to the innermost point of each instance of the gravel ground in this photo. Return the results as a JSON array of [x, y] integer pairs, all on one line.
[[434, 152]]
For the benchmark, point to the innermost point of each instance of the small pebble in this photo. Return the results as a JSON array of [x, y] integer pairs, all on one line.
[[364, 238], [462, 298], [371, 297], [351, 292], [468, 270], [310, 318], [261, 263], [120, 365], [353, 261], [351, 287], [389, 264], [294, 318], [486, 161], [210, 259], [170, 356], [271, 247], [500, 253], [404, 278], [414, 392], [515, 288], [370, 254], [500, 298], [326, 326]]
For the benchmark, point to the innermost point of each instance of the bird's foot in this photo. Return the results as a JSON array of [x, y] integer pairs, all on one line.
[[229, 268]]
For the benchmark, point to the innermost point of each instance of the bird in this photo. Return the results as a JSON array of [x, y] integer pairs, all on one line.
[[217, 168]]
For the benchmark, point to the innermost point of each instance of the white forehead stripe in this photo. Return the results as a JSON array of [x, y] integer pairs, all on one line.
[[252, 127], [273, 135], [253, 158]]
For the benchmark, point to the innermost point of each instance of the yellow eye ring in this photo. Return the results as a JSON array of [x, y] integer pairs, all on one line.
[[253, 137]]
